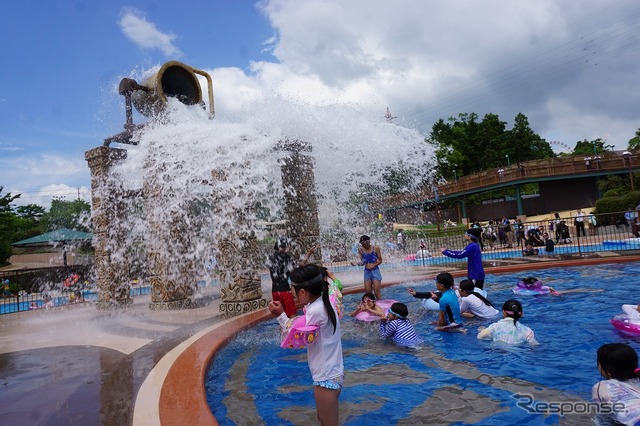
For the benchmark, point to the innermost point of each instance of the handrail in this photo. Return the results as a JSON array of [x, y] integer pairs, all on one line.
[[535, 169]]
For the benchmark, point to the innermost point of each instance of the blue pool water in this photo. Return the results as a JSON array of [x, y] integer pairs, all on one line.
[[263, 383], [87, 295]]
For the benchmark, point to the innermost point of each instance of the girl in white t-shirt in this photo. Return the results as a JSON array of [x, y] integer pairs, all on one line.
[[324, 355], [473, 304], [618, 364]]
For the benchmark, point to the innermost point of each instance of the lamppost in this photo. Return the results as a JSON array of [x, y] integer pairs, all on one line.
[[508, 161], [455, 175], [627, 159]]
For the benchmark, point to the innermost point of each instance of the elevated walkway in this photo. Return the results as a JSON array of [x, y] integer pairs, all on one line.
[[536, 171]]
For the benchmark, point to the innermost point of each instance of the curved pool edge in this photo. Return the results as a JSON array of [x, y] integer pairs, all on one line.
[[173, 392], [182, 395]]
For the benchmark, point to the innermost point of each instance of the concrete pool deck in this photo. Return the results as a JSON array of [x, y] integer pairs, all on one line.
[[79, 366]]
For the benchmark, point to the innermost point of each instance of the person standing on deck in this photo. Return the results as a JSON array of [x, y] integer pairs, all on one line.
[[371, 258], [475, 270]]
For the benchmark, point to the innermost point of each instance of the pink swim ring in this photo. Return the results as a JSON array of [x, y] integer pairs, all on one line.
[[531, 286], [384, 304], [624, 324], [297, 334]]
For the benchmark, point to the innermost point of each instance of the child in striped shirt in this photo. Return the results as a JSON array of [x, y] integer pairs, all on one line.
[[397, 327]]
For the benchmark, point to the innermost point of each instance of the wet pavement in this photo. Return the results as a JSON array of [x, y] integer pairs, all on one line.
[[76, 365]]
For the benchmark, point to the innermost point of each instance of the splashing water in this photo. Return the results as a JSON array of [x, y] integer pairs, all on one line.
[[177, 152]]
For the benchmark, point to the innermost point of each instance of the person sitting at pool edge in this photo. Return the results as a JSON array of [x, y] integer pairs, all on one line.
[[397, 327], [368, 304], [449, 316], [473, 304], [507, 330], [475, 271]]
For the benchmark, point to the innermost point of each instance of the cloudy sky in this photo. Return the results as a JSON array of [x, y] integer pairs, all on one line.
[[570, 67]]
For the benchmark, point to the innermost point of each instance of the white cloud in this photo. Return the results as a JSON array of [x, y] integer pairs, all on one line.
[[145, 34], [429, 60], [573, 125], [7, 146], [39, 178]]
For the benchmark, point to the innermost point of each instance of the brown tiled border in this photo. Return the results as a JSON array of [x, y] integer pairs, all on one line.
[[183, 399]]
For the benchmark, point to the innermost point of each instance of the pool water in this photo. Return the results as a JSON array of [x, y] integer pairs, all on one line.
[[454, 378], [631, 244], [87, 296]]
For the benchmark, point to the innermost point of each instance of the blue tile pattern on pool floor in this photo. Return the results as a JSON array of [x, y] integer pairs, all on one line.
[[569, 328]]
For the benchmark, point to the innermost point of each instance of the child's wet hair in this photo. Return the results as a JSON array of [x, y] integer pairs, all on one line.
[[618, 360], [369, 295], [469, 287], [513, 309], [311, 277], [445, 278], [399, 310]]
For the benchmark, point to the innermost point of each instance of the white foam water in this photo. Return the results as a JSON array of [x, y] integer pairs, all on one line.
[[352, 148]]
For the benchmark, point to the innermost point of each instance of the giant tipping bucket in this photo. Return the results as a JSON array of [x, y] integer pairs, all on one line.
[[173, 80]]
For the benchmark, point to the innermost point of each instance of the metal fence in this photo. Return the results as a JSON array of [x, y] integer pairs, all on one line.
[[616, 232], [57, 297], [611, 233]]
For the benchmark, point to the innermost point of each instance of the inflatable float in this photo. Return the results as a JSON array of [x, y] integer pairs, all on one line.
[[72, 280], [531, 286], [384, 304], [297, 334], [624, 324]]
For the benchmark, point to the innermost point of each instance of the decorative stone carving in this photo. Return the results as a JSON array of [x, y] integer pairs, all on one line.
[[112, 282], [237, 250], [301, 205], [169, 270]]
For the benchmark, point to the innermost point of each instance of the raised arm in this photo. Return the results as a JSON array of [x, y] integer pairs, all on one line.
[[303, 261]]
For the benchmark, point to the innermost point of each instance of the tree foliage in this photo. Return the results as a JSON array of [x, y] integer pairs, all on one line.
[[466, 145], [7, 224], [634, 142], [67, 214], [19, 223], [593, 147]]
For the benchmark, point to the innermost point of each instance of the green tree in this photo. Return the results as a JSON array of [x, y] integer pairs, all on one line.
[[7, 225], [492, 142], [634, 142], [67, 214], [456, 146], [27, 222], [524, 144], [468, 146], [585, 147], [32, 212], [611, 182]]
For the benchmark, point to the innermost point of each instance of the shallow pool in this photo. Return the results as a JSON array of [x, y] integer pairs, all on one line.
[[454, 378]]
